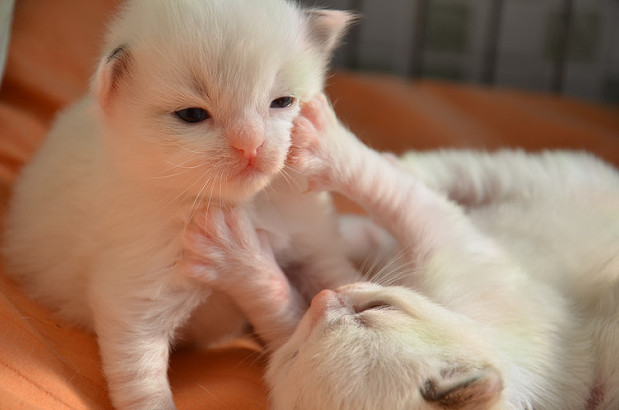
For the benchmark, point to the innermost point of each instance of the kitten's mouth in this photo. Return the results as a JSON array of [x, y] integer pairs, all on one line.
[[250, 170], [251, 178], [258, 167]]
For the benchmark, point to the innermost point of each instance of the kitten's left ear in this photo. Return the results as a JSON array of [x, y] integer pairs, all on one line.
[[112, 70], [327, 27], [465, 390]]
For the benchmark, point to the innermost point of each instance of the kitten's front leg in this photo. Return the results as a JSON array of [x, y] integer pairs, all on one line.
[[224, 251], [135, 366], [135, 316], [334, 159]]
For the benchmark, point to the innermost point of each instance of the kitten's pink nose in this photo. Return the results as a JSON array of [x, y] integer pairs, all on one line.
[[323, 298], [248, 151], [248, 146], [323, 301], [246, 138]]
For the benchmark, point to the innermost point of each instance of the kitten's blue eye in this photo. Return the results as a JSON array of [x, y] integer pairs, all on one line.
[[193, 115], [282, 102]]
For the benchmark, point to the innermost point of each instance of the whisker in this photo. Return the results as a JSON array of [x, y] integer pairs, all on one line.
[[201, 195], [388, 275], [196, 181], [213, 396]]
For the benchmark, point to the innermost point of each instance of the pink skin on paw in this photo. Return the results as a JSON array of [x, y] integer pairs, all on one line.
[[278, 288], [311, 123], [220, 244], [224, 251], [311, 149], [315, 111]]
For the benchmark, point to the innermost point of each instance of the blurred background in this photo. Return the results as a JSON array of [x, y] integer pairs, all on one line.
[[568, 47]]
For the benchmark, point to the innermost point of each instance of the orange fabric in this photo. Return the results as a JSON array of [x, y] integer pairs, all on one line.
[[46, 363]]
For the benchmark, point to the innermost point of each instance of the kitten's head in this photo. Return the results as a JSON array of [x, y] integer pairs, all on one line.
[[199, 95], [371, 347]]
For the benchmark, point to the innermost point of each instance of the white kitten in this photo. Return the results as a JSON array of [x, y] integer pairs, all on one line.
[[511, 300], [191, 106]]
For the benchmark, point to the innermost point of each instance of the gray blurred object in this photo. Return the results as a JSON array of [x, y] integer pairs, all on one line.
[[568, 47], [6, 15]]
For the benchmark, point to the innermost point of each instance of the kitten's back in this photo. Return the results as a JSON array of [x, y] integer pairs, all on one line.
[[47, 208]]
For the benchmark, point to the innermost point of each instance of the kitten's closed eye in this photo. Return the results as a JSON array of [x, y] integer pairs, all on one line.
[[193, 114], [282, 102], [373, 305]]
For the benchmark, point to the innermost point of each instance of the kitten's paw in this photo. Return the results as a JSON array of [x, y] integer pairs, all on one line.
[[315, 142], [222, 245], [315, 119]]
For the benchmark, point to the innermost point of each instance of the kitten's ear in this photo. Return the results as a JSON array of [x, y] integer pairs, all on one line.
[[113, 69], [466, 390], [327, 27]]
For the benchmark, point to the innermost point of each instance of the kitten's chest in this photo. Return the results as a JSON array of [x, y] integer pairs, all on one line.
[[291, 219], [277, 222]]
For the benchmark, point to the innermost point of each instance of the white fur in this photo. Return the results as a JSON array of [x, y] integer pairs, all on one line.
[[97, 225], [508, 300]]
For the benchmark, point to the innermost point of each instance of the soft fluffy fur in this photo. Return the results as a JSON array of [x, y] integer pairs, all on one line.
[[509, 298], [97, 225]]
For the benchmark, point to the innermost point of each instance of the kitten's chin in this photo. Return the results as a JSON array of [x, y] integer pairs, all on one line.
[[246, 184], [251, 178]]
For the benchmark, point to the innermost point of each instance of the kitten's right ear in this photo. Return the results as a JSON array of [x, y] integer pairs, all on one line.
[[113, 69], [465, 390], [327, 27]]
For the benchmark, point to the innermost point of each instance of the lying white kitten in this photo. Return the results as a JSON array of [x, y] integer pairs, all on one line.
[[510, 301], [512, 304], [191, 106]]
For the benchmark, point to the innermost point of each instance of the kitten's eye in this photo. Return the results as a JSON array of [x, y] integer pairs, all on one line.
[[282, 102], [193, 115], [374, 305]]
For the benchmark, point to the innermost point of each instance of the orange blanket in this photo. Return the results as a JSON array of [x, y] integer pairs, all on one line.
[[45, 363]]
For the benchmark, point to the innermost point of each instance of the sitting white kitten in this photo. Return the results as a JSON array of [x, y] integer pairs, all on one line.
[[511, 297], [191, 106]]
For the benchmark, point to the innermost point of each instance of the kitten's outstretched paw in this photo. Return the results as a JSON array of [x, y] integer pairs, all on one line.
[[315, 142], [222, 245]]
